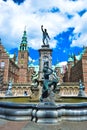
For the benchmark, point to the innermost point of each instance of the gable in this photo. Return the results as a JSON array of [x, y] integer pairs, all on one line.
[[3, 52]]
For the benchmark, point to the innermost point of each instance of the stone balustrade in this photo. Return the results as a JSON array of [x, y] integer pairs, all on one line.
[[69, 89]]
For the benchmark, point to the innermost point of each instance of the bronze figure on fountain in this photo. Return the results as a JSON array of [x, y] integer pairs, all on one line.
[[46, 37], [49, 86]]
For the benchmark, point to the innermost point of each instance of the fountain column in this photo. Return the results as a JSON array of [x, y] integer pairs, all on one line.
[[46, 110], [45, 55]]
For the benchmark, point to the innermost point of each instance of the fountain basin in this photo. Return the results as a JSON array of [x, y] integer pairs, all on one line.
[[45, 113], [27, 99]]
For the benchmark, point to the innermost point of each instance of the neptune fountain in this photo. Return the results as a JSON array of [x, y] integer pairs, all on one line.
[[47, 111]]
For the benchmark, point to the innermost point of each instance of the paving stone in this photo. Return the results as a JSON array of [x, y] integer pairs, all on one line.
[[27, 125]]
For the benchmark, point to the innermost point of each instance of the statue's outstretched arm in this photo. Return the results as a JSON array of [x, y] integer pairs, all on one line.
[[42, 28]]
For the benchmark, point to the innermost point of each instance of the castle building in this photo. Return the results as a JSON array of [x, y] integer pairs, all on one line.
[[10, 69], [8, 65], [20, 72], [77, 68]]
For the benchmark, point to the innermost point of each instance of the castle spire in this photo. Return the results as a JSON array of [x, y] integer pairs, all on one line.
[[23, 45]]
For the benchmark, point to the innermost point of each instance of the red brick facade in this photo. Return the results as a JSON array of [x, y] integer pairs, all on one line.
[[8, 65], [20, 73], [17, 72], [77, 70], [23, 65]]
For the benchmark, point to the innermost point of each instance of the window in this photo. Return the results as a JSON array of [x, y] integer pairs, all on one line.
[[22, 55], [2, 64]]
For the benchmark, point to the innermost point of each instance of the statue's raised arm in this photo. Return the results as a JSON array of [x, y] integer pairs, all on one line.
[[42, 28], [45, 36]]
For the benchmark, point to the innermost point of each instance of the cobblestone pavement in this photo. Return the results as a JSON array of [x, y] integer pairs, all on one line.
[[12, 125], [26, 125]]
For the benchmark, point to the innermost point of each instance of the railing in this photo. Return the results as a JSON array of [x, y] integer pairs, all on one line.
[[66, 89]]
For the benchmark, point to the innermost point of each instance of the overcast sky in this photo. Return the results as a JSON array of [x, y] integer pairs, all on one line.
[[65, 21]]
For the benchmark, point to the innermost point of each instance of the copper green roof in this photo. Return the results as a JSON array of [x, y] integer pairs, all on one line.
[[70, 59], [83, 51], [24, 38], [79, 57], [23, 45]]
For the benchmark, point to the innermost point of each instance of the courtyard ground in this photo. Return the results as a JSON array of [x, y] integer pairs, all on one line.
[[27, 125]]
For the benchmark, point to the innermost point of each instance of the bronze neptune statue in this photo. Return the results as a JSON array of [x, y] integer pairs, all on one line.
[[45, 36]]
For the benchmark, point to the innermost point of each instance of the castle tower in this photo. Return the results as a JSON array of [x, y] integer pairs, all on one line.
[[23, 59]]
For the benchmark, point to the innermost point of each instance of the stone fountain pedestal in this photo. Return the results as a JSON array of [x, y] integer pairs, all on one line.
[[45, 113]]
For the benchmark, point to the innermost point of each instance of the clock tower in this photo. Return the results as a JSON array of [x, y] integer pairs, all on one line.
[[23, 59]]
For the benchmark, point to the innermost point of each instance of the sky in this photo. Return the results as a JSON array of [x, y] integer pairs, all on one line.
[[65, 21]]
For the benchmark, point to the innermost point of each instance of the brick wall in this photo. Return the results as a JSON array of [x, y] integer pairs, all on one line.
[[78, 71], [23, 66]]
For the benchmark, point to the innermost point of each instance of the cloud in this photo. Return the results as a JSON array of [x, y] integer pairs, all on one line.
[[31, 60], [62, 63], [79, 37], [56, 16]]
